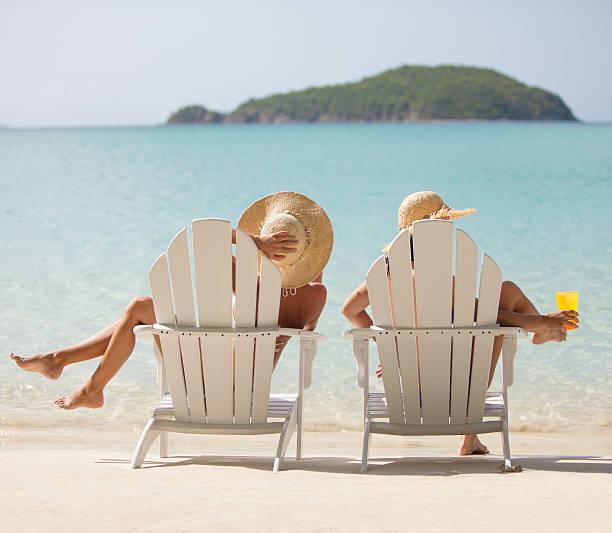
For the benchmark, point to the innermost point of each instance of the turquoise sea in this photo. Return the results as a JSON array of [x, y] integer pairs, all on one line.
[[86, 211]]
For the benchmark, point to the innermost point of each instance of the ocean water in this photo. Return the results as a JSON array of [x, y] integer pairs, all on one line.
[[85, 212]]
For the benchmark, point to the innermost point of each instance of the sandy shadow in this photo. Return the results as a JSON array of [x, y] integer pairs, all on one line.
[[582, 464], [391, 466]]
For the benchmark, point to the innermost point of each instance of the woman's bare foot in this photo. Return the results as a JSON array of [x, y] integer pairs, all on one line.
[[86, 396], [46, 364], [470, 445], [548, 335]]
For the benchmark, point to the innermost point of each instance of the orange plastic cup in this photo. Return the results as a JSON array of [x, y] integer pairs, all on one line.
[[567, 300]]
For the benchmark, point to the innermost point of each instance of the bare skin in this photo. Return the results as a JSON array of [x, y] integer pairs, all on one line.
[[115, 343], [515, 310]]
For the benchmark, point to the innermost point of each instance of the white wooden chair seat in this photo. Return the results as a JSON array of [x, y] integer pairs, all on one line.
[[218, 350], [279, 406], [377, 405], [434, 345]]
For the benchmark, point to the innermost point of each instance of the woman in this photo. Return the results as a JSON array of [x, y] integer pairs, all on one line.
[[292, 230], [515, 309]]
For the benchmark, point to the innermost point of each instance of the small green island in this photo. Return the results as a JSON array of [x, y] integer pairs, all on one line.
[[405, 94]]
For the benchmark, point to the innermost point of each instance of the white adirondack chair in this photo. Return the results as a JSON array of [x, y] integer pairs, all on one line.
[[215, 372], [434, 357]]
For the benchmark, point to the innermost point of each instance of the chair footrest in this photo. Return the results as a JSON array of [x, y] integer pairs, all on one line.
[[436, 429], [279, 406], [377, 405]]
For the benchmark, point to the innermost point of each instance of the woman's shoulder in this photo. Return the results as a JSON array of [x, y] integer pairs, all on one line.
[[317, 287]]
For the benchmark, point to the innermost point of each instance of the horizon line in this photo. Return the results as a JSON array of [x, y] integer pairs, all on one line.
[[5, 127]]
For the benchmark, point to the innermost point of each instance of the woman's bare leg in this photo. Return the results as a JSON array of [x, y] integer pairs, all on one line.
[[52, 364], [515, 309], [118, 349]]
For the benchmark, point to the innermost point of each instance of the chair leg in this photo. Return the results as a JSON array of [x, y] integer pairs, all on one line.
[[147, 438], [366, 446], [163, 438], [163, 445], [300, 437], [506, 443], [283, 442]]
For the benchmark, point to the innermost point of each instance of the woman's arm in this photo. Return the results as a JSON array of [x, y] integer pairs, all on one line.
[[355, 305], [319, 294]]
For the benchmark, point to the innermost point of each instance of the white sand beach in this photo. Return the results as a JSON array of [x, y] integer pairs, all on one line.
[[55, 480]]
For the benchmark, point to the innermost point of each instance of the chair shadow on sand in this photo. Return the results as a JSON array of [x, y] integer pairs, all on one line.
[[394, 466]]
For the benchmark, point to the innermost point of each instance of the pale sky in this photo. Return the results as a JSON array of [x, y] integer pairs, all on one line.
[[129, 62]]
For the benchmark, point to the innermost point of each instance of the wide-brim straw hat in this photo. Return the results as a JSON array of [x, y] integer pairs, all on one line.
[[306, 221], [426, 204]]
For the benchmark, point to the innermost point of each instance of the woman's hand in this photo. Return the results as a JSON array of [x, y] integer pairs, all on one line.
[[276, 245], [558, 319]]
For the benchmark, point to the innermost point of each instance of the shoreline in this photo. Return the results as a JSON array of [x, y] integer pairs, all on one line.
[[349, 441], [135, 424]]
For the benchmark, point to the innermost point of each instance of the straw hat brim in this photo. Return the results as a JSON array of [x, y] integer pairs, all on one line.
[[316, 223], [447, 212], [452, 214]]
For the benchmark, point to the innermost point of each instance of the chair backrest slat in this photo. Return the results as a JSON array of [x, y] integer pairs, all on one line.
[[267, 315], [212, 254], [161, 292], [245, 308], [182, 289], [402, 296], [268, 302], [466, 278], [180, 275], [159, 282], [401, 279], [246, 280], [433, 270], [488, 304], [212, 257], [380, 301]]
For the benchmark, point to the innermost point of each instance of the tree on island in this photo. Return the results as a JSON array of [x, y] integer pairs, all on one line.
[[195, 114], [408, 93]]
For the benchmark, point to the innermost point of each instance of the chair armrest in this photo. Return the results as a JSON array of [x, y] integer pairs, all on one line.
[[361, 336], [308, 352], [509, 348], [360, 351], [144, 332], [308, 339], [374, 331], [177, 331], [365, 333], [302, 333], [508, 352], [516, 333]]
